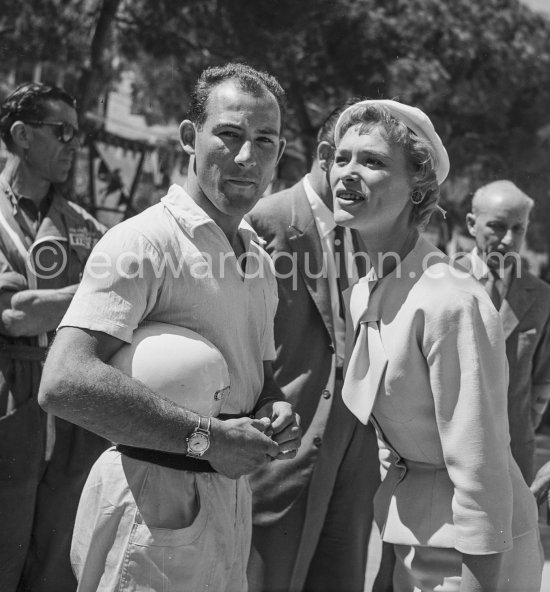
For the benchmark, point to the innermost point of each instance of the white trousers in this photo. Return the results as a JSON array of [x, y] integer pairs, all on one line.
[[145, 528]]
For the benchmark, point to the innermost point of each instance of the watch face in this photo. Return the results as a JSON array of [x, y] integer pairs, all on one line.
[[198, 443]]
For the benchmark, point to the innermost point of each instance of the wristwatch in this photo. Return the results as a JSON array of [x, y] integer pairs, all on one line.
[[198, 441]]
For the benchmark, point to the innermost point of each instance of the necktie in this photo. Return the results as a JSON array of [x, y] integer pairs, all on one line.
[[341, 270], [492, 287]]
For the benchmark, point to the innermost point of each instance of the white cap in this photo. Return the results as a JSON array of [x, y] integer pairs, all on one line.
[[418, 122], [178, 364]]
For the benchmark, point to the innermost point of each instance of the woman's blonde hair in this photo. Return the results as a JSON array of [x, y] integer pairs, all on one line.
[[418, 152]]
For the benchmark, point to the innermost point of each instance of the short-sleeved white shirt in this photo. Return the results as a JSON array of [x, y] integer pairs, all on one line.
[[173, 264]]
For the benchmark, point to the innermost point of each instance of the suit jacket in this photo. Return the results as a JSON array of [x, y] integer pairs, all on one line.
[[305, 369], [437, 357], [525, 316]]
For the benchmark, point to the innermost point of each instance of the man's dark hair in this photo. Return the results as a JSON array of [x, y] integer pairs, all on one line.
[[29, 102], [326, 129], [250, 80]]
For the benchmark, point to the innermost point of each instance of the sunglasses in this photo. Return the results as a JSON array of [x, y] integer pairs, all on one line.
[[64, 131]]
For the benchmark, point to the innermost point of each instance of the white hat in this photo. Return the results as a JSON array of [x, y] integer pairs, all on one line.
[[418, 122], [178, 364]]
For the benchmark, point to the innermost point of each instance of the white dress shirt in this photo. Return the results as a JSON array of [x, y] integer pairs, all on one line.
[[324, 222]]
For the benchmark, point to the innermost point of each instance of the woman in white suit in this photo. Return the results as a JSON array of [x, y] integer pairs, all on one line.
[[428, 367]]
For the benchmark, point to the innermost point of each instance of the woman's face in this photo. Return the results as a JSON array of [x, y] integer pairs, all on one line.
[[370, 181]]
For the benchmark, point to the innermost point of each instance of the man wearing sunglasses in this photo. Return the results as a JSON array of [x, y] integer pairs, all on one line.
[[44, 243]]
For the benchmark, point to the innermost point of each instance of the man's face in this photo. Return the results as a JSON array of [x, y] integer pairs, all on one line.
[[48, 157], [498, 223], [236, 150]]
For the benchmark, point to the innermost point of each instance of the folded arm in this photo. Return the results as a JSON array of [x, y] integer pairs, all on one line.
[[80, 386], [466, 356], [32, 312]]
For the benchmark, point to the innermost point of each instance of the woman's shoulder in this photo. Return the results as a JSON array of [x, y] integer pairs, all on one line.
[[429, 281], [445, 286], [448, 302]]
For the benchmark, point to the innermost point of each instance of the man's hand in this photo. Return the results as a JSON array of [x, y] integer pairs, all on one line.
[[239, 446], [32, 312], [285, 427], [541, 484]]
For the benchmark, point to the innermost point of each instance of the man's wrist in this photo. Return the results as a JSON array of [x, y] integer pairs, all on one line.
[[198, 441], [215, 425]]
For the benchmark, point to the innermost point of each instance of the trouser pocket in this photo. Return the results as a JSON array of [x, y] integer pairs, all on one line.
[[164, 558]]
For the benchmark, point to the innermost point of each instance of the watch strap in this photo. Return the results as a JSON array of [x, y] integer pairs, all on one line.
[[203, 424]]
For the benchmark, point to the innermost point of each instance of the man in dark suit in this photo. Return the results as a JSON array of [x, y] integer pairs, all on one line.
[[498, 222], [312, 515]]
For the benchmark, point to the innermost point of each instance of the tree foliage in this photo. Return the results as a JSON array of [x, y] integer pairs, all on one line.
[[45, 30], [480, 69], [75, 37]]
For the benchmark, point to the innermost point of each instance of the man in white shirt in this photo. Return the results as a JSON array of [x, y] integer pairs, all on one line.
[[169, 508], [312, 516]]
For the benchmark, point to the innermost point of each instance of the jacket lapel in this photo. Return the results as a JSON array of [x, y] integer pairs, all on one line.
[[516, 304], [304, 241], [359, 247], [517, 301]]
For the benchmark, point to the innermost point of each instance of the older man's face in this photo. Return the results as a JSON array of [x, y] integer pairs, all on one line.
[[498, 224], [49, 158]]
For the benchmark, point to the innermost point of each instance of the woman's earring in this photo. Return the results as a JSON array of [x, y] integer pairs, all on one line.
[[417, 198]]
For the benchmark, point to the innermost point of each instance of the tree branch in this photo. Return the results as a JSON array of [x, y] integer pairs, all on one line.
[[100, 38]]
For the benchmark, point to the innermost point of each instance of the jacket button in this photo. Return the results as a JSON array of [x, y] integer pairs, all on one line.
[[317, 441], [326, 394]]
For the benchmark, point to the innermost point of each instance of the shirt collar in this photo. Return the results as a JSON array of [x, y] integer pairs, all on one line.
[[324, 218], [407, 264], [190, 215], [480, 270], [21, 201], [371, 289]]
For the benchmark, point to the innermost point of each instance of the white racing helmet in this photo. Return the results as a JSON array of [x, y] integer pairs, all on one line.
[[178, 364]]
